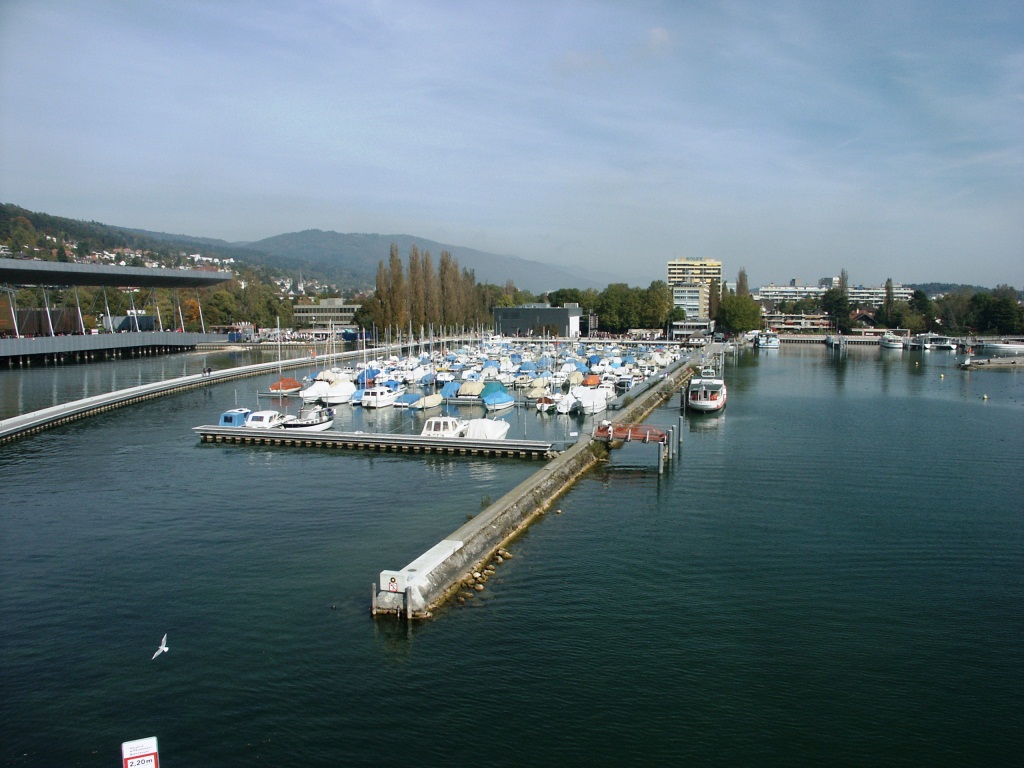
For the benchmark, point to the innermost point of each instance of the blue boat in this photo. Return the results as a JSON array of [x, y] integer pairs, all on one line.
[[234, 418]]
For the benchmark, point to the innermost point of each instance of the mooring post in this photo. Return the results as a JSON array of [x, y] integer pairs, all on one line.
[[661, 458], [408, 603], [373, 599], [680, 430]]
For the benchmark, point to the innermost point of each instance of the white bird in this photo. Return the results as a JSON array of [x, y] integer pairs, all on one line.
[[163, 647]]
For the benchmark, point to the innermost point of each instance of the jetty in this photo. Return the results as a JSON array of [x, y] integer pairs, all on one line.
[[463, 561], [1003, 363], [379, 442]]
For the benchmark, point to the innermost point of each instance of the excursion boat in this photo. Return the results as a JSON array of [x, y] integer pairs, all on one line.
[[311, 418], [931, 341], [706, 392], [767, 340], [444, 426], [234, 418], [266, 419]]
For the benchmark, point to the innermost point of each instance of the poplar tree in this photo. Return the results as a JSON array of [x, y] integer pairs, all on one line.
[[742, 289], [431, 292], [399, 319], [417, 291]]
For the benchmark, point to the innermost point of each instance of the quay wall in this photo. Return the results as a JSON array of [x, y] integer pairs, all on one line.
[[466, 551]]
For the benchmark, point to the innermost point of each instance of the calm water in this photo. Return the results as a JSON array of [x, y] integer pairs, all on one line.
[[833, 573]]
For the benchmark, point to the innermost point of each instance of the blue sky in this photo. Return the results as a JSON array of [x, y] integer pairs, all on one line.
[[794, 139]]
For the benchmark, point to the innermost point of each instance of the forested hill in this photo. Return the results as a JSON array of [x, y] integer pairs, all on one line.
[[332, 257]]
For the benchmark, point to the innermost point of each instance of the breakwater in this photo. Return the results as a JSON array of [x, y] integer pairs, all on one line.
[[36, 421], [461, 560]]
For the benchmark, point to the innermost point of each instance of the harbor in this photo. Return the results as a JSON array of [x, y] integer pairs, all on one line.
[[754, 584]]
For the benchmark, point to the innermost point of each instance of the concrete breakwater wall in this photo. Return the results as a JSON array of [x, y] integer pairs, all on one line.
[[460, 561]]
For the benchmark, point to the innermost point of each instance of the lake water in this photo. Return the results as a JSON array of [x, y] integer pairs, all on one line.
[[831, 573]]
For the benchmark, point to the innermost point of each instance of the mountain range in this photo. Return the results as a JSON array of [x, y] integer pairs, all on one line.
[[354, 257], [347, 259]]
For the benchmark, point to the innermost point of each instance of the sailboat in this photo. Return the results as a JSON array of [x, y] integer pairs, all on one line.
[[285, 385]]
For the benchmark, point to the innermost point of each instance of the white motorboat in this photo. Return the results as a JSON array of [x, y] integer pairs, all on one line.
[[381, 396], [266, 419], [311, 418], [767, 340], [706, 392], [444, 426], [890, 340]]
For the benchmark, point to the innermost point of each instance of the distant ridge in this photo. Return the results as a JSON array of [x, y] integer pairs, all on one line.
[[347, 259], [357, 255]]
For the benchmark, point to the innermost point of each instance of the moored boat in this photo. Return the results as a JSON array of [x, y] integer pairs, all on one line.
[[444, 426], [890, 340], [266, 419], [311, 418], [286, 385], [234, 418], [487, 429], [706, 392]]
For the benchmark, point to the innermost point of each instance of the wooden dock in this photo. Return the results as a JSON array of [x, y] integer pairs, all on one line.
[[379, 442]]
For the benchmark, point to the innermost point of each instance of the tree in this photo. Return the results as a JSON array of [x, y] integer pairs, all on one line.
[[399, 316], [417, 291], [837, 305], [742, 289], [884, 315], [656, 305], [431, 292], [738, 314], [844, 283]]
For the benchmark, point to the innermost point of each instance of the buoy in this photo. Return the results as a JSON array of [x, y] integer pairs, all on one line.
[[984, 397]]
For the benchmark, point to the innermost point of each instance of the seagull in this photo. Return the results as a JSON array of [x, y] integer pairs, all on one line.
[[163, 647]]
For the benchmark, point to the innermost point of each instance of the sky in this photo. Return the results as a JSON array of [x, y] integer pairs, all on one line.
[[791, 139]]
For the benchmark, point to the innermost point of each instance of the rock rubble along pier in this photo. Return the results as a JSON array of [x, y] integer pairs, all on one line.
[[462, 559]]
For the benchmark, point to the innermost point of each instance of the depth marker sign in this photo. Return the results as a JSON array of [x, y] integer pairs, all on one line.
[[141, 753]]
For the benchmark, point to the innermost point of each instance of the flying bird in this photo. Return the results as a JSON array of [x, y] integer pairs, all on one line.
[[163, 647]]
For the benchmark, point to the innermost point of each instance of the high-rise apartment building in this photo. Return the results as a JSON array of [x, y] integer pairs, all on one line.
[[692, 281]]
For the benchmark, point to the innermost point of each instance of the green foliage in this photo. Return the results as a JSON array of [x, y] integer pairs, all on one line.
[[738, 314], [837, 305]]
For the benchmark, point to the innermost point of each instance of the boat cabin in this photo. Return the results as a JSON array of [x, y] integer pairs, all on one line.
[[234, 418]]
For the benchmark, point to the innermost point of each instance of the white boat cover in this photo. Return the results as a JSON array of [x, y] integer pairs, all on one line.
[[487, 429]]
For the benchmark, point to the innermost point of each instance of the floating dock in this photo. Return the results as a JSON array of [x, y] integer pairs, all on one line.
[[379, 442]]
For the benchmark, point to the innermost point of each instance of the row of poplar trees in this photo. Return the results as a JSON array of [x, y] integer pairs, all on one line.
[[420, 297]]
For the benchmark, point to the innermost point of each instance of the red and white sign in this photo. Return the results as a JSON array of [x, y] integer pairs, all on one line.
[[141, 753]]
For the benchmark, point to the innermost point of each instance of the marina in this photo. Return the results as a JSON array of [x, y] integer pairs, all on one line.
[[751, 611]]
